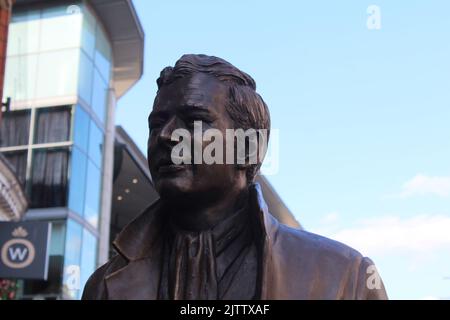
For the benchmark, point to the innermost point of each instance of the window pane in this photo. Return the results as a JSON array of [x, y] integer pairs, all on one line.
[[49, 178], [77, 181], [23, 35], [95, 144], [103, 54], [57, 239], [99, 96], [92, 202], [51, 287], [88, 33], [20, 77], [15, 128], [81, 130], [61, 28], [72, 259], [85, 78], [18, 160], [88, 258], [73, 243], [58, 73], [53, 125]]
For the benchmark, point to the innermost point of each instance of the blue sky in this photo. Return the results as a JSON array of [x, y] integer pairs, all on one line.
[[363, 116]]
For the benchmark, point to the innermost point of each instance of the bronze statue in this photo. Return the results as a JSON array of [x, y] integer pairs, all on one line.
[[210, 236]]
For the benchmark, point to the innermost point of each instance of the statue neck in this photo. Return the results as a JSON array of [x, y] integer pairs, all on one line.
[[200, 214]]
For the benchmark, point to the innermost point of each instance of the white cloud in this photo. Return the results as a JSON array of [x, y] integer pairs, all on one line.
[[416, 235], [422, 185], [330, 218], [411, 253]]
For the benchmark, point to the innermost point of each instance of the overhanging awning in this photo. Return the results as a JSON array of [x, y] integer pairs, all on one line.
[[122, 24]]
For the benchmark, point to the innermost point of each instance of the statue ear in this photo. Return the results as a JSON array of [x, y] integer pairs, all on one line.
[[244, 166], [244, 162], [248, 169], [251, 170], [253, 155]]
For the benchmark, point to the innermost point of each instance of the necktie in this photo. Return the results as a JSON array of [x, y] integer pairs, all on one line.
[[192, 267]]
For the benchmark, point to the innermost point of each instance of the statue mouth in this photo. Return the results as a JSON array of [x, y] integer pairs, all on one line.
[[167, 166], [170, 168]]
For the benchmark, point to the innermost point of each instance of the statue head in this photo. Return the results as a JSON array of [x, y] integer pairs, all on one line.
[[209, 91]]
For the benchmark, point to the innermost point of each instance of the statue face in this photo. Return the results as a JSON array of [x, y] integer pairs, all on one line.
[[200, 97]]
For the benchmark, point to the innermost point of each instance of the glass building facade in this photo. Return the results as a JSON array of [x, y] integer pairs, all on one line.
[[58, 75]]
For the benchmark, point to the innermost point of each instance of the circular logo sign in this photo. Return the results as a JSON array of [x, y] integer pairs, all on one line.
[[17, 253]]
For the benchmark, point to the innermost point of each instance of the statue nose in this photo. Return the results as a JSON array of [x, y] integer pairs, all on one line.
[[165, 135]]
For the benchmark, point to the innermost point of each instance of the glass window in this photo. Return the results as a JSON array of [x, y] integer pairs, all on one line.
[[92, 198], [95, 144], [57, 239], [77, 181], [18, 160], [58, 73], [23, 34], [88, 33], [88, 258], [61, 27], [15, 128], [73, 243], [103, 54], [71, 282], [99, 96], [49, 178], [50, 288], [85, 78], [20, 77], [53, 125], [81, 130]]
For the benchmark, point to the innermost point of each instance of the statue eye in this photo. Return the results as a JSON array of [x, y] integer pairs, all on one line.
[[156, 124], [190, 120]]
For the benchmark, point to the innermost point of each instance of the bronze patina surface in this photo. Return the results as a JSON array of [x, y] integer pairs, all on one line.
[[210, 236]]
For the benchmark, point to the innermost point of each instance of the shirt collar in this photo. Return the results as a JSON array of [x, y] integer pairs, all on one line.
[[139, 237]]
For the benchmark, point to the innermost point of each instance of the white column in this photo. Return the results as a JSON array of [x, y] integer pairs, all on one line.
[[107, 180]]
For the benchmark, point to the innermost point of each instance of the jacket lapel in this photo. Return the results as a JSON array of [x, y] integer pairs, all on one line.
[[140, 244], [269, 227], [138, 280]]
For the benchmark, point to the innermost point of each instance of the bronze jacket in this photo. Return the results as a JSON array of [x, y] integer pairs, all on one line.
[[295, 264]]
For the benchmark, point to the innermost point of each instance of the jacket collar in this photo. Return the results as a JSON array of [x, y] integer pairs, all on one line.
[[140, 244], [137, 239]]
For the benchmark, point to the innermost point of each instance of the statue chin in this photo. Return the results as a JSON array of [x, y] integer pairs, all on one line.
[[173, 188]]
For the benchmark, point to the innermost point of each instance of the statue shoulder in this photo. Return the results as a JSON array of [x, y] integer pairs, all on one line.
[[326, 257], [314, 244]]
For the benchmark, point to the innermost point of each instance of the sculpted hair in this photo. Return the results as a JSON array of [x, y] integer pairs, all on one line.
[[245, 106]]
